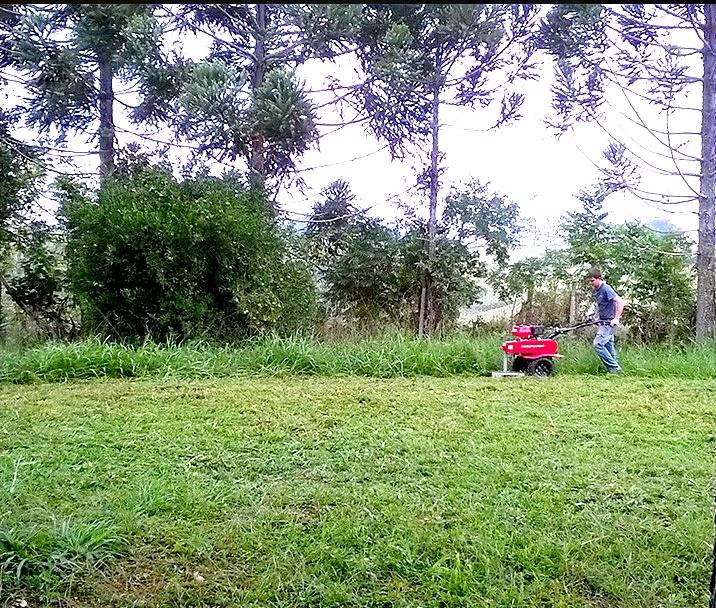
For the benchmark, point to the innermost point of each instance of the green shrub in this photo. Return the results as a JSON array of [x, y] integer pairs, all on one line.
[[37, 286], [156, 257]]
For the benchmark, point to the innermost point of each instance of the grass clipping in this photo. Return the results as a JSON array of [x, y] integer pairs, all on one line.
[[572, 491]]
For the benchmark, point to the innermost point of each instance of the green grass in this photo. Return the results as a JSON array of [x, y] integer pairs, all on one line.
[[381, 358], [574, 491]]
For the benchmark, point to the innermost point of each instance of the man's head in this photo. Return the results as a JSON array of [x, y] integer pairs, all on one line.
[[594, 277]]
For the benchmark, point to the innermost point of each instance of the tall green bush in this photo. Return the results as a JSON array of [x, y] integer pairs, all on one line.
[[655, 273], [375, 274], [37, 286], [152, 256]]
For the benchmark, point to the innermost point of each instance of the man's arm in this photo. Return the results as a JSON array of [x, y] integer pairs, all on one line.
[[618, 310]]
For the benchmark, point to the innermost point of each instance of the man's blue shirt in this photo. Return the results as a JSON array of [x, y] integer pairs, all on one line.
[[605, 301]]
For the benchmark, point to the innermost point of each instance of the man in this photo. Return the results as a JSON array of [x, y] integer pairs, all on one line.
[[610, 307]]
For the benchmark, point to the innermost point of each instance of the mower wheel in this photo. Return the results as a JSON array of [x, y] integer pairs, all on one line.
[[519, 364], [540, 367]]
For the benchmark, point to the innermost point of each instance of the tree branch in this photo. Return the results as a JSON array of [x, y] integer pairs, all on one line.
[[646, 162], [239, 50], [676, 165], [614, 77], [643, 124]]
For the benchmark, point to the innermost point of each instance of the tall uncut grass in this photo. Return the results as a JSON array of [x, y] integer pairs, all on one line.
[[394, 356]]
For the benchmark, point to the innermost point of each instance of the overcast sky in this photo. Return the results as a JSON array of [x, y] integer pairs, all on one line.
[[523, 160]]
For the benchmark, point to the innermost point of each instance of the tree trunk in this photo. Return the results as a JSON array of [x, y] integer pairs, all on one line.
[[705, 262], [106, 119], [427, 308], [257, 158], [423, 300], [529, 306], [573, 304]]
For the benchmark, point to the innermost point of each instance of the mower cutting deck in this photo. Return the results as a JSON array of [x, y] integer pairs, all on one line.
[[534, 350]]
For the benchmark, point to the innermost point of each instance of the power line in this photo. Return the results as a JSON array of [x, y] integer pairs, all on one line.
[[358, 212], [160, 141], [343, 162], [61, 151], [44, 166], [204, 150], [179, 145]]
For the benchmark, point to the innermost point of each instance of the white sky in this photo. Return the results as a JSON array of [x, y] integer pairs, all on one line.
[[523, 161]]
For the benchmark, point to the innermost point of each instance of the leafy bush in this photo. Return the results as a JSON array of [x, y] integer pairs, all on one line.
[[654, 273], [203, 257], [374, 274], [369, 281], [38, 287]]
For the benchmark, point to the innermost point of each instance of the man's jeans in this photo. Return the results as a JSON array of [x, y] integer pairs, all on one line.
[[604, 346]]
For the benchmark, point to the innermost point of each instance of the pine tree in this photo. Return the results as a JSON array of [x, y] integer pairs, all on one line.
[[70, 57], [420, 57], [659, 62]]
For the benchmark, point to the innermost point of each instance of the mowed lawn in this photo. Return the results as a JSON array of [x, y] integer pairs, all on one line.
[[570, 491]]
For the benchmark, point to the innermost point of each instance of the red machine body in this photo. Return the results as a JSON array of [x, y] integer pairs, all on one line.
[[523, 332], [528, 352], [531, 349], [534, 348]]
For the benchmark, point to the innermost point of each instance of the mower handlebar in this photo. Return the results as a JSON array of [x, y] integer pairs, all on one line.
[[557, 331]]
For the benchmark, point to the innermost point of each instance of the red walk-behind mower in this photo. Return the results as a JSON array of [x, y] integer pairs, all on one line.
[[534, 350]]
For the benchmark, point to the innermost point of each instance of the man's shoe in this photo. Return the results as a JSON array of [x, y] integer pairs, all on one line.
[[615, 370]]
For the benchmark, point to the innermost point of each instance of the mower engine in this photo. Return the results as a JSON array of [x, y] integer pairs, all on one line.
[[530, 352], [527, 332]]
